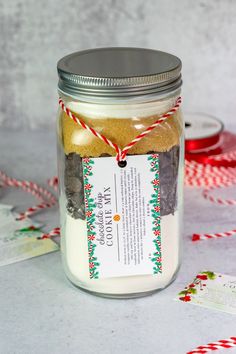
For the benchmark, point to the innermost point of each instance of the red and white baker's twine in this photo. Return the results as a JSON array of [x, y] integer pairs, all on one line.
[[47, 199], [221, 344], [54, 232], [211, 178], [53, 182], [121, 153]]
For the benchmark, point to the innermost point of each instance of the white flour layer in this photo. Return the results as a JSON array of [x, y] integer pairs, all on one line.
[[131, 110], [75, 247]]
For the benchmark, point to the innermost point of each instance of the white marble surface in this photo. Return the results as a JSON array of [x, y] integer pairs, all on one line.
[[36, 34], [41, 312]]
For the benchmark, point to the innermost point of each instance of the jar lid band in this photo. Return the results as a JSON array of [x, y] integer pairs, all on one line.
[[118, 72]]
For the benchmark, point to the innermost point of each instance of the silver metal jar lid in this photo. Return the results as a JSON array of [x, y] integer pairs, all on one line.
[[118, 73]]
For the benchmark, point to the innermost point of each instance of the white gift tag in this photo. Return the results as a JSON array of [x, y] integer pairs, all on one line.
[[18, 238], [24, 248], [212, 290], [123, 216]]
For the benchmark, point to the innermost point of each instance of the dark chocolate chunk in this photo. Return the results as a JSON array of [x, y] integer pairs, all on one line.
[[169, 165], [74, 186]]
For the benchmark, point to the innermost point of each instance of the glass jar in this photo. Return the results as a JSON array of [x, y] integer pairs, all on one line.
[[121, 215]]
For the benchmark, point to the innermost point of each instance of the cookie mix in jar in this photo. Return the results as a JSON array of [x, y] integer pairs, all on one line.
[[120, 160]]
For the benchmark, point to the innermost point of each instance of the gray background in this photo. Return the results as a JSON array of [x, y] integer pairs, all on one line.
[[35, 34], [40, 311]]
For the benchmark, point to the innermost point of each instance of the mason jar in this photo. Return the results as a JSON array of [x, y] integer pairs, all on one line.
[[120, 166]]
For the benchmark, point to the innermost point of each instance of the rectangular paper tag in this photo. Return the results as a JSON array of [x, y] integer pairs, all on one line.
[[212, 290], [123, 216], [18, 238], [25, 248]]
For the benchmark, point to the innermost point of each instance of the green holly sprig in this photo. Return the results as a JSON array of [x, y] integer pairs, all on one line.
[[156, 213], [90, 218], [198, 281]]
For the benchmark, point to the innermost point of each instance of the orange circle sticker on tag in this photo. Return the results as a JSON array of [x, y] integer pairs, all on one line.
[[116, 217]]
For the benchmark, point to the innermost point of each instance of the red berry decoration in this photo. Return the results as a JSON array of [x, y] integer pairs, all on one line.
[[185, 298], [202, 276], [196, 285]]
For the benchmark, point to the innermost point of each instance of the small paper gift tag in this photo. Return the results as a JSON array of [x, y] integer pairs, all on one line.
[[25, 248], [212, 290], [19, 238]]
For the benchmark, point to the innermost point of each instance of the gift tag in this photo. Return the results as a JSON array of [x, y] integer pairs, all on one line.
[[6, 215], [122, 204], [19, 238], [212, 290], [24, 248]]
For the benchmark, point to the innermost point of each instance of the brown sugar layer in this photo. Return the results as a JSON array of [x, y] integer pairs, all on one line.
[[120, 131]]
